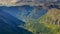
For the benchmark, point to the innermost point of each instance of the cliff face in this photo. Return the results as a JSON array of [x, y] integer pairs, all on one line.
[[52, 20], [53, 16], [7, 2], [46, 20], [46, 24], [26, 2]]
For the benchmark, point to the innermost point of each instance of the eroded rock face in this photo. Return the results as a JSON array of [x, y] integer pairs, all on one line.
[[26, 2], [53, 16], [6, 2], [54, 13]]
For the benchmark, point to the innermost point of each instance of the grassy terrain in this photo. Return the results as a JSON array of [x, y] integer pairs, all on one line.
[[47, 24]]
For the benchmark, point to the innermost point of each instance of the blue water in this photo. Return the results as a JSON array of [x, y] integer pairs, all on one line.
[[26, 10], [39, 12], [9, 24], [18, 10], [9, 18]]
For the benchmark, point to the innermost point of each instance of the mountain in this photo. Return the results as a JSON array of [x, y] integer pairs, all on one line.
[[53, 16], [12, 16], [26, 2], [36, 19], [49, 23]]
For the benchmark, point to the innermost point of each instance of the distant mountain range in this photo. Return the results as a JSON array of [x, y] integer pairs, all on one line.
[[26, 2]]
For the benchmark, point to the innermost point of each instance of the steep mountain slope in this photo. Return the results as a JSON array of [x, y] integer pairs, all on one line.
[[37, 19], [52, 20], [46, 24], [53, 16]]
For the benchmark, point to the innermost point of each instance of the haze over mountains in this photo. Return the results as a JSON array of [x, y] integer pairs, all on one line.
[[24, 2]]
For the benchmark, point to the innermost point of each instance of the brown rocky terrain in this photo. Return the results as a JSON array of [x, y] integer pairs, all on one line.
[[53, 16]]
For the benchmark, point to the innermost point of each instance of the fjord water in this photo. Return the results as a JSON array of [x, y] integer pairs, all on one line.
[[9, 24], [9, 18], [23, 12]]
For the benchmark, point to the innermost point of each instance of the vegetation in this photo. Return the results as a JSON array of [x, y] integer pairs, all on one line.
[[47, 24]]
